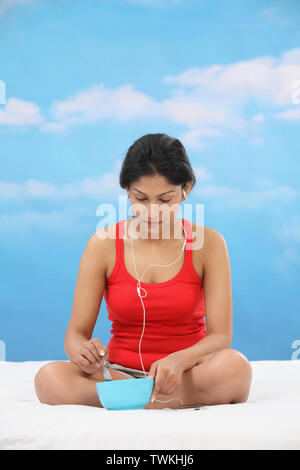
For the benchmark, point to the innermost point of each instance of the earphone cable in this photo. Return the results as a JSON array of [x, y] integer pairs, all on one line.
[[139, 288]]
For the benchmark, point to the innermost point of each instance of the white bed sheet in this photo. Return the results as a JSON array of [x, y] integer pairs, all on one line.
[[270, 419]]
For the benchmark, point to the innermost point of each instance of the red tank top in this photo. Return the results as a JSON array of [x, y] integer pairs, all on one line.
[[174, 311]]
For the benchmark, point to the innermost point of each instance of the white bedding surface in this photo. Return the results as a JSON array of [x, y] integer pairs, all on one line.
[[270, 419]]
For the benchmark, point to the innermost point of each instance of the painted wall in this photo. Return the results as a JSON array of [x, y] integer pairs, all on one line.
[[80, 84]]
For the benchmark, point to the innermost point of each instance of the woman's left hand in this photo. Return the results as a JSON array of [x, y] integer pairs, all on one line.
[[167, 374]]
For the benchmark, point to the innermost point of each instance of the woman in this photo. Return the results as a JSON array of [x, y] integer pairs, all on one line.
[[190, 359]]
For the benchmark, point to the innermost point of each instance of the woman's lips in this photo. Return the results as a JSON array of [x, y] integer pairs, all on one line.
[[152, 222]]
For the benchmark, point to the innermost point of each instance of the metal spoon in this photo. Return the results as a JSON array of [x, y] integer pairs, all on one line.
[[105, 372]]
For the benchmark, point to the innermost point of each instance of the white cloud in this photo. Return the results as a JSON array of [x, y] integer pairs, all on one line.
[[287, 232], [28, 189], [49, 127], [192, 138], [105, 189], [99, 102], [260, 117], [256, 141], [125, 104], [20, 113], [67, 220], [217, 95], [267, 80], [222, 196], [286, 260], [201, 173], [210, 102], [292, 114], [272, 16], [280, 15], [104, 186]]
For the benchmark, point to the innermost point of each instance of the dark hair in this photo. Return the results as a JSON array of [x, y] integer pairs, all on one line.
[[157, 154]]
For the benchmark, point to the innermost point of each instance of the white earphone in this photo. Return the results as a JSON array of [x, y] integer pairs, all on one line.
[[139, 288]]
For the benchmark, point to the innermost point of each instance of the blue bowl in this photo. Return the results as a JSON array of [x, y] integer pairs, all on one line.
[[129, 394]]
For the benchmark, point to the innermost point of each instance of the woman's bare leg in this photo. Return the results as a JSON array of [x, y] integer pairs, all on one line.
[[61, 383], [222, 377]]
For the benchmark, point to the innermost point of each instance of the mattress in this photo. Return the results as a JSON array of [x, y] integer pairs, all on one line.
[[270, 419]]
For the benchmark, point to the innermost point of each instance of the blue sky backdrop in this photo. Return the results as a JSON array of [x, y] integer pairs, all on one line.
[[84, 79]]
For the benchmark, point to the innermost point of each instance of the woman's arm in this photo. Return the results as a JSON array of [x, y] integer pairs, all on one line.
[[217, 299], [88, 295]]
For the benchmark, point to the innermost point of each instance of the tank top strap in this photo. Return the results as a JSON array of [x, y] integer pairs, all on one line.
[[120, 268], [189, 249], [189, 235], [118, 261], [120, 243], [119, 235]]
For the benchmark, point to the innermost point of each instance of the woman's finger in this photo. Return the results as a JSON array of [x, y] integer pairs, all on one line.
[[162, 383], [89, 356], [106, 353], [86, 366], [84, 361], [95, 351], [169, 390], [99, 345]]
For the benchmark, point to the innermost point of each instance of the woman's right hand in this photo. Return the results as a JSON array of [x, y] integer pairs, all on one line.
[[89, 357]]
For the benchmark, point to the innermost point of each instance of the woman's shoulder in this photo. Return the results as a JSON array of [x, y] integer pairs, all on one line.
[[100, 246], [206, 237], [104, 236]]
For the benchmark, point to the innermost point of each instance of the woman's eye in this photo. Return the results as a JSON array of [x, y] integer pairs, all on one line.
[[146, 199]]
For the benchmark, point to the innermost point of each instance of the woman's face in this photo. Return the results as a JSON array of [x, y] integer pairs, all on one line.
[[154, 200]]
